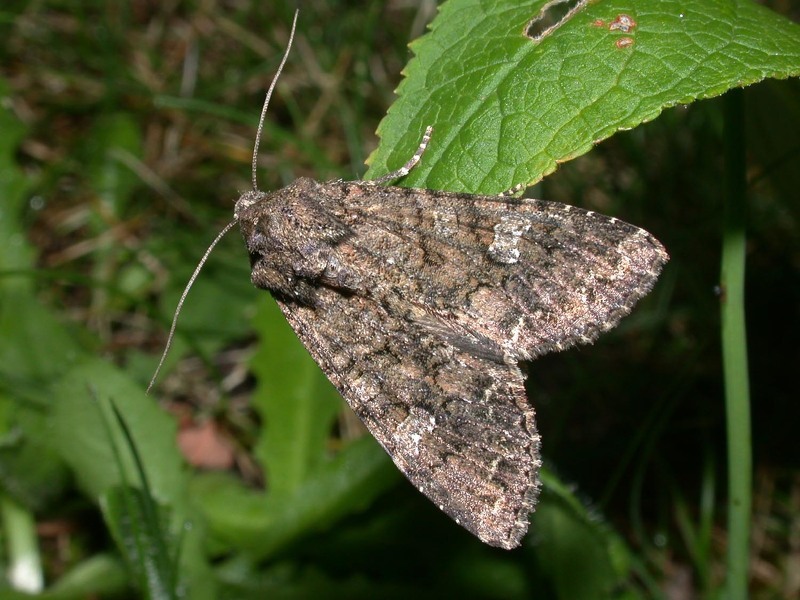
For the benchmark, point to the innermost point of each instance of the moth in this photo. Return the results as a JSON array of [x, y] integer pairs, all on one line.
[[419, 305]]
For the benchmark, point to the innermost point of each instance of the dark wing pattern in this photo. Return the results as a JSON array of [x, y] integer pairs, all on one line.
[[457, 425], [418, 305], [530, 275]]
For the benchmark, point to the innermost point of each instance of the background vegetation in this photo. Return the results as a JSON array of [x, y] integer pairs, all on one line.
[[125, 137]]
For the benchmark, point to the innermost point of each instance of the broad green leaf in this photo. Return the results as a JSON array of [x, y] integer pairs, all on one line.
[[79, 434], [507, 108], [296, 402], [263, 523]]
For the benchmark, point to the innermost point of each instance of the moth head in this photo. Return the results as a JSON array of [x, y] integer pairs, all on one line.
[[247, 200]]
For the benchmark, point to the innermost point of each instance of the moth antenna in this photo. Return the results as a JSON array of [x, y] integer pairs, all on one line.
[[185, 293], [269, 95], [230, 225]]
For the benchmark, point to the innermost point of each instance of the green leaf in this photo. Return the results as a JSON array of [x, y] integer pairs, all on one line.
[[572, 540], [78, 433], [30, 471], [295, 400], [23, 319], [101, 576], [80, 436], [143, 539], [507, 108], [263, 523]]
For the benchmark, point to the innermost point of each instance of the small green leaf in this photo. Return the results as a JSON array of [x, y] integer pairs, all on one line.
[[572, 540], [507, 108]]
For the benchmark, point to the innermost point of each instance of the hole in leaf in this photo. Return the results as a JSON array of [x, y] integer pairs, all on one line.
[[551, 17]]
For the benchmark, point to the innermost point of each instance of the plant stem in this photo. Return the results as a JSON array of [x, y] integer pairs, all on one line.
[[734, 351]]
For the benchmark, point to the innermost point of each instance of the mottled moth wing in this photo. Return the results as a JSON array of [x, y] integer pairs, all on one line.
[[457, 425], [418, 306]]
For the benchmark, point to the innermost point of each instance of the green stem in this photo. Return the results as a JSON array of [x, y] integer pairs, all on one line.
[[734, 352]]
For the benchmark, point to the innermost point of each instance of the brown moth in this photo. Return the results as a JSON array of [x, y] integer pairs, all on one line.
[[418, 305]]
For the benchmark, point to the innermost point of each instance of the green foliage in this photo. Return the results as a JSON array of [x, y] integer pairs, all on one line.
[[576, 539], [295, 401], [264, 523], [508, 109], [126, 133]]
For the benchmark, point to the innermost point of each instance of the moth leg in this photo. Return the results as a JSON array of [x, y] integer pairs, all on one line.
[[513, 191], [404, 170]]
